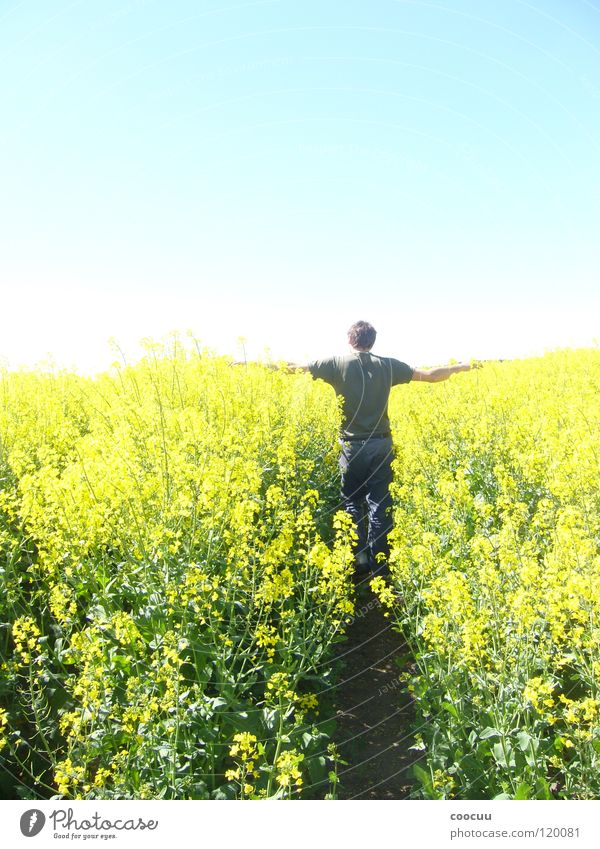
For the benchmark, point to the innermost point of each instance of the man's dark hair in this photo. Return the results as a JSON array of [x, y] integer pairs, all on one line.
[[362, 335]]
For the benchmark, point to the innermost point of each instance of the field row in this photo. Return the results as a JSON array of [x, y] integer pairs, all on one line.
[[175, 574], [496, 555], [173, 578]]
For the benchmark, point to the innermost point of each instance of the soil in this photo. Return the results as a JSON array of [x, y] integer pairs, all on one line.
[[374, 713]]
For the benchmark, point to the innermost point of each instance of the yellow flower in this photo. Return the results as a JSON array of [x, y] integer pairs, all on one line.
[[26, 636], [3, 728], [288, 771]]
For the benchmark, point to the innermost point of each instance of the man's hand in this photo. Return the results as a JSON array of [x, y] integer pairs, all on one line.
[[273, 366], [296, 367], [466, 366], [435, 375]]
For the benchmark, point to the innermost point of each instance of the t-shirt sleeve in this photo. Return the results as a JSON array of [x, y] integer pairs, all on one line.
[[325, 369], [401, 372]]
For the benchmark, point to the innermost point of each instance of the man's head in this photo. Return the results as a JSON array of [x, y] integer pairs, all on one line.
[[362, 336]]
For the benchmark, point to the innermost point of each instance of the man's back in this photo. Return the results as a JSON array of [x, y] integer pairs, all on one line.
[[364, 381]]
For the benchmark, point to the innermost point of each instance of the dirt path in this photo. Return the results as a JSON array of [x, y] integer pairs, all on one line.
[[373, 715]]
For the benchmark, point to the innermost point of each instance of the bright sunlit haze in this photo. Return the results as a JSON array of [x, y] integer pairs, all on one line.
[[276, 171]]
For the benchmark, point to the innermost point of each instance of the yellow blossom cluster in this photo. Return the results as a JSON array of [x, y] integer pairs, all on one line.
[[288, 769], [26, 636], [3, 728], [495, 566], [170, 537]]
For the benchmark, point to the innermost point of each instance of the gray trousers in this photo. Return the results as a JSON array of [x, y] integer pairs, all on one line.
[[366, 471]]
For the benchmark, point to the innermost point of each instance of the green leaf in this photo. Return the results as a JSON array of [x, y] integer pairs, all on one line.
[[307, 739], [224, 792], [543, 789], [524, 740], [269, 717], [451, 709], [504, 755], [425, 779], [523, 791], [317, 770], [489, 732]]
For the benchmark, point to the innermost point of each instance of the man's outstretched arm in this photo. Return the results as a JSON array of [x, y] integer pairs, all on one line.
[[296, 366], [285, 365], [435, 375]]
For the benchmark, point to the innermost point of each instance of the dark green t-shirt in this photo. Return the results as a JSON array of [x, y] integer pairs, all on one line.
[[364, 380]]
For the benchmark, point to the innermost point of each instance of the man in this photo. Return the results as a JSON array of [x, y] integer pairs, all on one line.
[[364, 381]]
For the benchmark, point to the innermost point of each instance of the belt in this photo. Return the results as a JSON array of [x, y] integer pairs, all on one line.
[[366, 438]]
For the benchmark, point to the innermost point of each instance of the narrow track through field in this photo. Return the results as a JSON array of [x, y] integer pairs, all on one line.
[[373, 712]]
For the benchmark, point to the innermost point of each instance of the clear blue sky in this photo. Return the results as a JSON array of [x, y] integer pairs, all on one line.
[[280, 169]]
